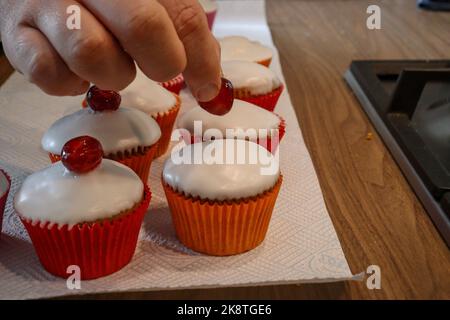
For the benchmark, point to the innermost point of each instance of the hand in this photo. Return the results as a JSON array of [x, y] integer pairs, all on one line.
[[165, 38]]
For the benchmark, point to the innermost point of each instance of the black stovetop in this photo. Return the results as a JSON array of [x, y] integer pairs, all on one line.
[[409, 104], [434, 4]]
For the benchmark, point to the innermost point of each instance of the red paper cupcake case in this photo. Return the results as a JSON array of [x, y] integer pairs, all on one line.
[[175, 85], [139, 161], [211, 16], [98, 248], [267, 101], [3, 199], [266, 143], [270, 145], [221, 228], [166, 122]]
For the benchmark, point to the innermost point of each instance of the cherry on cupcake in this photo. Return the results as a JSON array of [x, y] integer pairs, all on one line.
[[82, 154], [103, 100], [223, 102]]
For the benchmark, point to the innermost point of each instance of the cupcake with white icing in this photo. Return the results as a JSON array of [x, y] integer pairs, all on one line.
[[163, 106], [221, 205], [210, 7], [245, 121], [83, 210], [242, 48], [127, 135], [253, 83], [5, 184]]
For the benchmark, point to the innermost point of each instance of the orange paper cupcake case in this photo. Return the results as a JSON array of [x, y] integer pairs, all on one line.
[[266, 143], [98, 248], [139, 160], [4, 198], [166, 122], [266, 62], [221, 228], [175, 85], [267, 101]]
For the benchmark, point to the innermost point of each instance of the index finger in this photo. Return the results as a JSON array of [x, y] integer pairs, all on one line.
[[202, 50], [146, 32]]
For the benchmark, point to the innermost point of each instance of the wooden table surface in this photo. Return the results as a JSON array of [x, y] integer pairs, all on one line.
[[377, 216]]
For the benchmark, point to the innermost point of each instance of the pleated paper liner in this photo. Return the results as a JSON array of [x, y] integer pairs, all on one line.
[[4, 197], [175, 85], [272, 144], [211, 16], [265, 62], [138, 160], [166, 122], [267, 101], [97, 248], [268, 143], [221, 228]]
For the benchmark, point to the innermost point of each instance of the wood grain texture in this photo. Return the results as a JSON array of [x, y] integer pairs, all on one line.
[[376, 215]]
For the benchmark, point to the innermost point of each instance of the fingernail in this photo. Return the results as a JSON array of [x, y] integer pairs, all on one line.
[[207, 92]]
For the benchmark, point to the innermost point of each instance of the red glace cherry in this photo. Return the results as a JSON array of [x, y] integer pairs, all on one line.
[[102, 100], [223, 103], [82, 154]]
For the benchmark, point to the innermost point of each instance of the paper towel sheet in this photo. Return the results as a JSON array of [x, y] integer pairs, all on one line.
[[301, 245]]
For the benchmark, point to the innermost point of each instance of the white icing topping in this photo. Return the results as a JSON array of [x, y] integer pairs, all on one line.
[[241, 48], [213, 181], [4, 184], [208, 5], [252, 76], [243, 116], [147, 95], [59, 196], [121, 130]]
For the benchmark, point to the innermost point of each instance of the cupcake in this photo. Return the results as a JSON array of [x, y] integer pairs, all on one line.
[[254, 83], [221, 207], [163, 106], [241, 48], [210, 7], [175, 85], [245, 121], [127, 135], [5, 184], [83, 211]]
